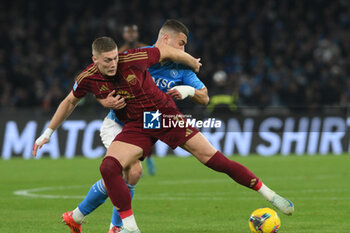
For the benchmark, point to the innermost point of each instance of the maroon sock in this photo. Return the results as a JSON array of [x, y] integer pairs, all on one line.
[[118, 192], [236, 171]]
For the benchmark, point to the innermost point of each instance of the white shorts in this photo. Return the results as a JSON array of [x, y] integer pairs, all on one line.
[[109, 130]]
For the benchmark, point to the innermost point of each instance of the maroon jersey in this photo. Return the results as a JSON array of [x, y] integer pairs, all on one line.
[[92, 81], [132, 81]]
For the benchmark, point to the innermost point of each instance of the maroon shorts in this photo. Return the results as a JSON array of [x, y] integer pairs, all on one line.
[[173, 134]]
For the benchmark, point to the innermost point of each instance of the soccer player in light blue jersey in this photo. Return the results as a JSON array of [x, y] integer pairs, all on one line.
[[174, 79]]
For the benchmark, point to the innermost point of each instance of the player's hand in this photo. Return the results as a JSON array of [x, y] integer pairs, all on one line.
[[43, 139], [113, 102], [181, 92], [196, 65], [175, 94]]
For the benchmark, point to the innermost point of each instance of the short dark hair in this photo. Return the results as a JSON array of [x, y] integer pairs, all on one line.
[[103, 44], [176, 26]]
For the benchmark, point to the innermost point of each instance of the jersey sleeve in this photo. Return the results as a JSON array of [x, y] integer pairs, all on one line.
[[191, 79], [80, 88], [153, 55], [141, 58]]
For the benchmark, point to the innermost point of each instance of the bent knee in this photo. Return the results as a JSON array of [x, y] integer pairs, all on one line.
[[109, 166], [106, 167], [134, 175]]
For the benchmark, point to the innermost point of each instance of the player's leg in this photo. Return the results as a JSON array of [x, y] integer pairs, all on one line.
[[120, 155], [95, 197], [199, 146], [151, 166], [134, 173], [109, 130], [97, 193], [132, 176]]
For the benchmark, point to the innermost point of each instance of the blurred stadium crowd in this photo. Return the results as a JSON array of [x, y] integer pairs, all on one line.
[[265, 53]]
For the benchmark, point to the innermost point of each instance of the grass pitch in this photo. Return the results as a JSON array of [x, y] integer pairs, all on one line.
[[184, 196]]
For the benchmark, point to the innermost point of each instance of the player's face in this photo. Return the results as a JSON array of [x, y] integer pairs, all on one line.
[[177, 40], [130, 35], [107, 62]]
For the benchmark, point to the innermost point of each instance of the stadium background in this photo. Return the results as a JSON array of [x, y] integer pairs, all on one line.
[[278, 61]]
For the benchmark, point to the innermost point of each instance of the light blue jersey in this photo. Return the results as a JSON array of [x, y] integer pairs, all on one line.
[[169, 75]]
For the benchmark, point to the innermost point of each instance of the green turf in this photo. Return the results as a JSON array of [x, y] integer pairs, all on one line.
[[184, 196]]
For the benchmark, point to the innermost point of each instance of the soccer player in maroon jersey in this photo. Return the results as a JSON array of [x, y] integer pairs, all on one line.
[[166, 76], [99, 78], [134, 83]]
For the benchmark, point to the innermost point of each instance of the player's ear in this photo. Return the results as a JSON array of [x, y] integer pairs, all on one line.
[[166, 38], [94, 58]]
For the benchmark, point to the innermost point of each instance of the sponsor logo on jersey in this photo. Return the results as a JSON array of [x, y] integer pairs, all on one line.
[[125, 94], [163, 83]]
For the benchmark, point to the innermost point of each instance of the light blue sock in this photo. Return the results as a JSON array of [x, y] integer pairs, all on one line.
[[151, 166], [116, 220], [96, 196]]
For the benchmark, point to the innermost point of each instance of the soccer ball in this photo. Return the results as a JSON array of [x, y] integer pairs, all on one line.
[[264, 220]]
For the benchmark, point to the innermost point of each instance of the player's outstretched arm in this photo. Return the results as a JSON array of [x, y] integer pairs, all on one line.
[[63, 111], [169, 53]]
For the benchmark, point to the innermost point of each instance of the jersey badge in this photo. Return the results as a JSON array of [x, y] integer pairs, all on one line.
[[173, 73], [131, 79]]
